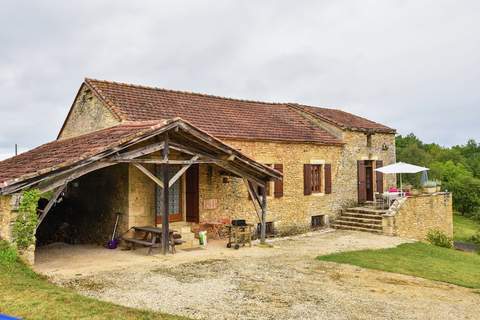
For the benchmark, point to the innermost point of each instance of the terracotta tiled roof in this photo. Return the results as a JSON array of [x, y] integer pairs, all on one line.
[[63, 153], [220, 117], [344, 119]]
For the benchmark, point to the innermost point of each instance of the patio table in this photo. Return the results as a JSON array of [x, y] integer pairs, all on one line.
[[391, 196], [151, 239]]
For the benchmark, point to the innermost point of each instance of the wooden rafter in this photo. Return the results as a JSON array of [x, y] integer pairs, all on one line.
[[139, 152]]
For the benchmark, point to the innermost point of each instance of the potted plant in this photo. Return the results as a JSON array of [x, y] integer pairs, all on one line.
[[429, 187]]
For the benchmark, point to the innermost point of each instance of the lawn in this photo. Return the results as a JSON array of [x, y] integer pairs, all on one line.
[[418, 259], [464, 228], [25, 294]]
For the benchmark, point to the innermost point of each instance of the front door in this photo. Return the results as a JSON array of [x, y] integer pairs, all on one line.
[[369, 180], [174, 196], [365, 180]]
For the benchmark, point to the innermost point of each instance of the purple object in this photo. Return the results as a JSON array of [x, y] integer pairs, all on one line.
[[112, 244]]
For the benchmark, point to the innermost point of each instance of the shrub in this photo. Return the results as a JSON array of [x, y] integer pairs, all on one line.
[[26, 222], [439, 239]]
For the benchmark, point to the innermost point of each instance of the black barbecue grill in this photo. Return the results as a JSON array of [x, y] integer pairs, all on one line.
[[239, 233]]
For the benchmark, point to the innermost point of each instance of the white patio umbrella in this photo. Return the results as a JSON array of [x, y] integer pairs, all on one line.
[[401, 167]]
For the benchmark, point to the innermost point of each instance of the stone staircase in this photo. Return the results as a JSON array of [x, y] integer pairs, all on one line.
[[368, 219], [187, 235]]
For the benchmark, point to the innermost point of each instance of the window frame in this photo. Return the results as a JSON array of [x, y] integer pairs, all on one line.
[[316, 172]]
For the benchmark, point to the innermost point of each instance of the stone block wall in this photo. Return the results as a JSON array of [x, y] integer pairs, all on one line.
[[87, 115], [415, 216], [293, 211], [7, 217]]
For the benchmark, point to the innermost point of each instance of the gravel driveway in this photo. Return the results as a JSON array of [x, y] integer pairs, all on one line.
[[281, 282]]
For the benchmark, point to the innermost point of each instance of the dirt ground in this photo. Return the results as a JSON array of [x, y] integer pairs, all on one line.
[[279, 282]]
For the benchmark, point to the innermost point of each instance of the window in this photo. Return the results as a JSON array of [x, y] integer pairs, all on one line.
[[318, 221], [316, 178], [174, 195]]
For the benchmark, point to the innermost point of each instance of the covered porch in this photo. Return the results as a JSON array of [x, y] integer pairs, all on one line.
[[160, 177]]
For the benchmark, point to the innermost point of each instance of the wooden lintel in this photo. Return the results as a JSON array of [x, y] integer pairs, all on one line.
[[160, 161], [149, 174]]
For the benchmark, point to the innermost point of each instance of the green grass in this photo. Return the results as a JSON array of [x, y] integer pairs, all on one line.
[[464, 228], [25, 294], [420, 260]]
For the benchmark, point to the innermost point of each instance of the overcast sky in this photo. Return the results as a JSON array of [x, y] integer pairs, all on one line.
[[413, 65]]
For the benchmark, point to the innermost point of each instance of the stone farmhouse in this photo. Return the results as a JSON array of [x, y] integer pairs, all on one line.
[[284, 166]]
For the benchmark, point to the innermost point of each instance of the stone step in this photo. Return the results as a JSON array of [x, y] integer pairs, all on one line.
[[366, 210], [360, 219], [188, 236], [342, 227], [340, 222], [361, 215]]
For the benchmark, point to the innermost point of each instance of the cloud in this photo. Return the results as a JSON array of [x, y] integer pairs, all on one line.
[[413, 65]]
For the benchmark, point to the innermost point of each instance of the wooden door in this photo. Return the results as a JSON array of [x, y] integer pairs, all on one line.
[[362, 190], [192, 194]]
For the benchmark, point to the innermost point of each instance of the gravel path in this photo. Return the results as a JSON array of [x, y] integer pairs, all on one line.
[[279, 282]]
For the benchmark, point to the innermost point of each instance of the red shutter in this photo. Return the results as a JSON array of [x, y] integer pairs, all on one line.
[[379, 175], [328, 178], [307, 179], [278, 184], [362, 180]]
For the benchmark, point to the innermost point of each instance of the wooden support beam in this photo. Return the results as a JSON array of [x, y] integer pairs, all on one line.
[[149, 174], [178, 147], [139, 152], [263, 222], [160, 161], [50, 204], [165, 213], [254, 197], [182, 171]]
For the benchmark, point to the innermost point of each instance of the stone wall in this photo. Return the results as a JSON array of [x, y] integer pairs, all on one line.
[[226, 197], [415, 216], [7, 217], [141, 199], [88, 114]]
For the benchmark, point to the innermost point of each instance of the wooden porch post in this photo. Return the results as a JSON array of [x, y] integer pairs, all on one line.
[[264, 214], [165, 223]]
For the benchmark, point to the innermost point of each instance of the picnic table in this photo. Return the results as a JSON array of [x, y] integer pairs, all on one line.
[[152, 238]]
